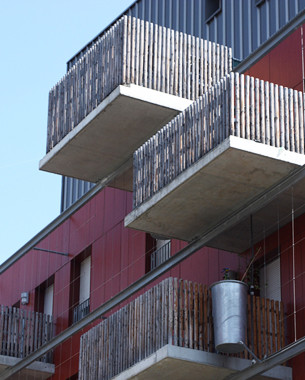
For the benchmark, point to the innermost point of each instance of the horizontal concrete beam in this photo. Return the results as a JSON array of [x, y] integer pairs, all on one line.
[[221, 182], [110, 134], [36, 370], [179, 363]]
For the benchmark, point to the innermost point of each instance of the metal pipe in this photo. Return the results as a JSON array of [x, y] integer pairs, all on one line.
[[278, 358], [250, 352], [50, 251]]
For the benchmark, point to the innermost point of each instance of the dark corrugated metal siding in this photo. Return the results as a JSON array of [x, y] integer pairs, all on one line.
[[240, 24], [71, 190], [236, 18]]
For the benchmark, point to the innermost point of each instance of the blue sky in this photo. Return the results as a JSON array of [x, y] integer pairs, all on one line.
[[37, 38]]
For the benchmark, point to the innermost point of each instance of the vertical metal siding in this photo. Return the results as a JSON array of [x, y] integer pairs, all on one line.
[[240, 24], [73, 189]]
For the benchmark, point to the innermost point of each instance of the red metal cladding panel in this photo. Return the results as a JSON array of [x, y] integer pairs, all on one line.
[[115, 237], [261, 69], [298, 364], [98, 273], [283, 64], [286, 61], [97, 216]]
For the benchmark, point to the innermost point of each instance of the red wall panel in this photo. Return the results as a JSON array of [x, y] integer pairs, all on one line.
[[283, 64]]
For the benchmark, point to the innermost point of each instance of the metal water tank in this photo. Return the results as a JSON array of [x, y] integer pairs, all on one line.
[[229, 308]]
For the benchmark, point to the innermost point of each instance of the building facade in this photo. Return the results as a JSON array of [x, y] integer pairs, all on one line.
[[186, 189]]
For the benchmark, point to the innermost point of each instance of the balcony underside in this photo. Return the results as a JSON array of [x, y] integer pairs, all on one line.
[[221, 182], [265, 221], [171, 362], [36, 370], [108, 136]]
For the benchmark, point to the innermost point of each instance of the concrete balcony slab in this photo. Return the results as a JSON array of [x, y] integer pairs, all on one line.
[[35, 371], [275, 214], [108, 136], [171, 362], [217, 185]]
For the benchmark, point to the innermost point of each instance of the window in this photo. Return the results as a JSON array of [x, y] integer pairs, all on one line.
[[48, 300], [212, 7], [161, 253], [44, 294], [270, 280], [84, 281], [80, 286], [17, 305], [259, 2], [73, 377]]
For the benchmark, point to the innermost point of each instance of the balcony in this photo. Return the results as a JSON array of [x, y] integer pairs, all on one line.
[[169, 334], [236, 141], [21, 333], [131, 82], [80, 311], [160, 255]]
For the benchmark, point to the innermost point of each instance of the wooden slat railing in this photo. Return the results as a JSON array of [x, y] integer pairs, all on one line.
[[134, 51], [238, 105], [173, 312], [22, 332]]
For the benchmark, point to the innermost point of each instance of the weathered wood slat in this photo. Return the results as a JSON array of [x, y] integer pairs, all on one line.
[[191, 315], [264, 328], [196, 318], [181, 314], [301, 122], [278, 331], [254, 326], [176, 311], [186, 314], [201, 302], [273, 326], [259, 328], [282, 323]]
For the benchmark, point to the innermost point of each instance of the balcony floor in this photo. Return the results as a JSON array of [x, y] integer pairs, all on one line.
[[110, 134], [171, 362], [213, 188], [35, 371]]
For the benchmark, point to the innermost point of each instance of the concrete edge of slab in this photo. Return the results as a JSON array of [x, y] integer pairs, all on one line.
[[132, 91], [278, 153], [36, 366], [158, 98], [230, 142], [199, 357]]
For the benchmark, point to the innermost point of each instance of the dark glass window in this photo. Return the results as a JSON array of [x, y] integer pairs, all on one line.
[[212, 7]]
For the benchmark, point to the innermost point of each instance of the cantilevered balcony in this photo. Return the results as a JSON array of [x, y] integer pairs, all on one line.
[[21, 333], [135, 79], [167, 333], [236, 141]]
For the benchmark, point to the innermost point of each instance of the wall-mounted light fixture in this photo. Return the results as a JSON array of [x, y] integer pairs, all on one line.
[[24, 298]]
